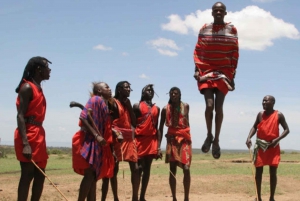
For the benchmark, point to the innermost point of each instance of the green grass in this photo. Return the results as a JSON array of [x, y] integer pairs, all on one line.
[[202, 164]]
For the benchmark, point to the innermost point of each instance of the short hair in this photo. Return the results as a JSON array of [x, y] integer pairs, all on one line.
[[271, 97], [30, 68], [95, 88], [144, 89], [219, 2], [120, 84], [173, 89]]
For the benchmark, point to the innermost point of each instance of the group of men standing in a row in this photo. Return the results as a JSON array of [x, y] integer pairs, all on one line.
[[112, 130]]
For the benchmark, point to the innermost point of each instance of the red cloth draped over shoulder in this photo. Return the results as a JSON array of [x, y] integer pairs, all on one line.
[[268, 129], [146, 130], [216, 50], [35, 134], [123, 125]]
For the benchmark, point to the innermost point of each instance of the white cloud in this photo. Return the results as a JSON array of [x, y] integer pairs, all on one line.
[[143, 76], [102, 47], [164, 46], [167, 52], [125, 54], [256, 27]]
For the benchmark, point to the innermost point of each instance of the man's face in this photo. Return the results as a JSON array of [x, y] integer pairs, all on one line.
[[219, 12], [125, 90], [45, 71], [267, 103], [148, 93], [105, 90], [174, 96]]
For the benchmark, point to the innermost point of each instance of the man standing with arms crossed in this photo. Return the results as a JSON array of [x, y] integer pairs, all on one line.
[[216, 57], [266, 149]]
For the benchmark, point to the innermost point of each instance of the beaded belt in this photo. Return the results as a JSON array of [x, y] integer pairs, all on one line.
[[30, 120]]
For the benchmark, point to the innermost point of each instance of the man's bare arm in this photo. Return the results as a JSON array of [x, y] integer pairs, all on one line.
[[25, 96], [253, 130], [162, 122], [286, 130]]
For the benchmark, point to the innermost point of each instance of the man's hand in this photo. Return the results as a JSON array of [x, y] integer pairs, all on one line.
[[27, 153], [273, 143], [159, 154], [248, 143], [120, 138], [196, 76], [100, 140], [115, 156]]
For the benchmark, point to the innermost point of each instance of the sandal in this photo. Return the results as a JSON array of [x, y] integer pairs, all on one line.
[[207, 143], [216, 151]]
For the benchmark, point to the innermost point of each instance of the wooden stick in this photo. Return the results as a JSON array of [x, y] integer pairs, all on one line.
[[253, 174], [48, 178]]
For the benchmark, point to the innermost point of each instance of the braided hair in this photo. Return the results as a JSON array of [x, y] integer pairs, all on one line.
[[119, 85], [173, 89], [30, 68]]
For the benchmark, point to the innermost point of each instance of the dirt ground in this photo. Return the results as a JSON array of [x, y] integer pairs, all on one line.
[[212, 187]]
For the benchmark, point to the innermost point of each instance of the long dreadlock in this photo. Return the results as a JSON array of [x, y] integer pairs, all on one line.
[[30, 68]]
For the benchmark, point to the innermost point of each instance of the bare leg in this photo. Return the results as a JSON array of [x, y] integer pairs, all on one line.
[[27, 174], [104, 189], [86, 184], [114, 182], [186, 182], [134, 180], [220, 97], [258, 178], [172, 179], [146, 175], [92, 193], [38, 184], [209, 101], [273, 181]]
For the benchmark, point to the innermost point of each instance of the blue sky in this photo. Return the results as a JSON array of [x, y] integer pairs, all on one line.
[[149, 42]]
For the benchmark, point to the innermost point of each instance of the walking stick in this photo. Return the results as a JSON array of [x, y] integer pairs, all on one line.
[[48, 178], [253, 173]]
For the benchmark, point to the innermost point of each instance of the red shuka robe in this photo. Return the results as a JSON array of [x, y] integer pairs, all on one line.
[[128, 146], [268, 129], [179, 146], [35, 134], [216, 50], [145, 131]]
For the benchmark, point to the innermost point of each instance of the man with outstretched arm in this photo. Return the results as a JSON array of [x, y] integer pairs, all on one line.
[[216, 56], [175, 116], [266, 149]]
